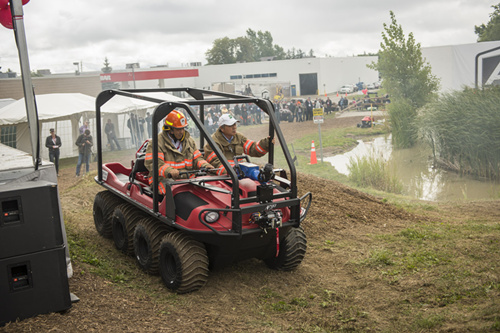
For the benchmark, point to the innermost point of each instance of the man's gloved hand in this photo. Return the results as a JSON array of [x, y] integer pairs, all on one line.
[[174, 173]]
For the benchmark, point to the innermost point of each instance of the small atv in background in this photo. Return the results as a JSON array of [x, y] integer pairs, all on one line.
[[366, 122], [205, 221]]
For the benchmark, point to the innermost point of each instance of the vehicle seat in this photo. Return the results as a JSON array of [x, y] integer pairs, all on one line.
[[139, 166], [138, 176]]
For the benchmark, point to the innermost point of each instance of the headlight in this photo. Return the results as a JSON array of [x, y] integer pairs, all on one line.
[[211, 217]]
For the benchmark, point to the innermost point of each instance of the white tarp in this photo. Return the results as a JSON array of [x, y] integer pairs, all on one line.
[[66, 112], [59, 106], [50, 106]]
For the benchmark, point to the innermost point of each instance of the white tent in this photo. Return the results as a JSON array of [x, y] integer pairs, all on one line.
[[66, 112], [6, 101]]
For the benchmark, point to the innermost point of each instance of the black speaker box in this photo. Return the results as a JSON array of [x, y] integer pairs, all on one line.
[[33, 284], [29, 218]]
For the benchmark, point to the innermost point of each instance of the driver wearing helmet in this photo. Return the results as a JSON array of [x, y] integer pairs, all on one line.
[[177, 151]]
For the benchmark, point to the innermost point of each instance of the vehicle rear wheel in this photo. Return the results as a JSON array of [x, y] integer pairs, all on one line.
[[291, 251], [124, 221], [104, 204], [183, 263], [147, 238]]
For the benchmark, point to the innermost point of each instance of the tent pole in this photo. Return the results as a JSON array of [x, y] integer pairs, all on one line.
[[29, 95]]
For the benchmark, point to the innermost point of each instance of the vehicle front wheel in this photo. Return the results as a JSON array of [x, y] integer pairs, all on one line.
[[183, 263], [292, 250], [104, 204]]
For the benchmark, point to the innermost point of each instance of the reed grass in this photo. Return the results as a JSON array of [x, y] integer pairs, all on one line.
[[372, 171], [463, 128]]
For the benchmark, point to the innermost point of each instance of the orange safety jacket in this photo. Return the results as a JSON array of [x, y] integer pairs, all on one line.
[[169, 158], [239, 145]]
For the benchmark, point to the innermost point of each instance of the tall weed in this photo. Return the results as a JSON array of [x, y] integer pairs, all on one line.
[[371, 171], [463, 128]]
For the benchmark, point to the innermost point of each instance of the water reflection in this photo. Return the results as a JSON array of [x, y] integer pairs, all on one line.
[[413, 167]]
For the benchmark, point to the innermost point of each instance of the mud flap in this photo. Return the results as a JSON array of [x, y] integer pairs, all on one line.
[[170, 203]]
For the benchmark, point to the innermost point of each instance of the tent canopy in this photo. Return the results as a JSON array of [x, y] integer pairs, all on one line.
[[59, 106]]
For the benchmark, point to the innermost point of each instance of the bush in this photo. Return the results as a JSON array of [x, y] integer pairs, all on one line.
[[404, 129]]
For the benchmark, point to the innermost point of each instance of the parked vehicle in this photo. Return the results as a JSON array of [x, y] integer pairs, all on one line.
[[346, 89], [360, 85], [205, 221]]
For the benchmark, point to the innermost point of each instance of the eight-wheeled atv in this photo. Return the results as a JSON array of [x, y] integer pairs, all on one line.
[[205, 221]]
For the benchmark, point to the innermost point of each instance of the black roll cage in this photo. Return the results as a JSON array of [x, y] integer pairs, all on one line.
[[164, 107]]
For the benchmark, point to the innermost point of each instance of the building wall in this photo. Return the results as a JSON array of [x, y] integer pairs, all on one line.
[[332, 72], [454, 65], [85, 84]]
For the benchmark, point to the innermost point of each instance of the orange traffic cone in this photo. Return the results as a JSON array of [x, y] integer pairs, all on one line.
[[314, 160]]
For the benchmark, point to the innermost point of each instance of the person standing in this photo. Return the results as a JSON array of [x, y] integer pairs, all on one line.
[[84, 127], [53, 143], [328, 103], [84, 143], [109, 129], [149, 119], [300, 112], [309, 108]]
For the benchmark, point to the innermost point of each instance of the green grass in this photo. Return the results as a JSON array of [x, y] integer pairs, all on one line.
[[339, 137], [451, 265]]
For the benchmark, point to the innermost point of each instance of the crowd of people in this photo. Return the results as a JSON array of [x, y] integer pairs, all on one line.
[[302, 110]]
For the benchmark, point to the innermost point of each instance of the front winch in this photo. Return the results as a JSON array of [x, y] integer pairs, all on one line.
[[267, 220]]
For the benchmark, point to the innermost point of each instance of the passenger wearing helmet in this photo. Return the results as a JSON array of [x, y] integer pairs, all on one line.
[[233, 143], [176, 151]]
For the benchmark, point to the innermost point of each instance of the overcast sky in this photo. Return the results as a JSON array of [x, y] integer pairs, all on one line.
[[159, 32]]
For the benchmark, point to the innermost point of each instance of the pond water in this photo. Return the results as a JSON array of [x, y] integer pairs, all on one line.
[[413, 167]]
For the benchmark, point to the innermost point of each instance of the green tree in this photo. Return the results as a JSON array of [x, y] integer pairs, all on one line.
[[244, 49], [222, 52], [407, 78], [108, 69], [252, 47], [490, 31]]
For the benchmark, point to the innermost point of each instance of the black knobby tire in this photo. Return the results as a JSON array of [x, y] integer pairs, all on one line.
[[104, 205], [124, 221], [292, 250], [183, 263], [147, 238]]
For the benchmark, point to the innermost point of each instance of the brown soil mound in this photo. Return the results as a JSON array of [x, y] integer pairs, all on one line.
[[338, 206]]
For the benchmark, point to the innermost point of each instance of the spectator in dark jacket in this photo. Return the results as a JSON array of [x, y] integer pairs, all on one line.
[[53, 142], [109, 129], [84, 143]]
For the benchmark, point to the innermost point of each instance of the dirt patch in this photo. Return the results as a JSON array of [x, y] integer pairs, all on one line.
[[330, 291]]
